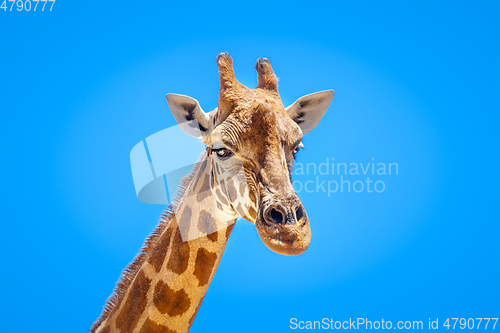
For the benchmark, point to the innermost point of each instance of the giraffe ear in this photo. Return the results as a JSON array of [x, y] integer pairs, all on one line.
[[189, 115], [308, 110]]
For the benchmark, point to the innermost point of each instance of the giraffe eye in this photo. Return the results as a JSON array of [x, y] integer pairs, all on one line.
[[223, 153]]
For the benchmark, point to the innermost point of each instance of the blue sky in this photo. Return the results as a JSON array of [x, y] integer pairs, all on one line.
[[417, 83]]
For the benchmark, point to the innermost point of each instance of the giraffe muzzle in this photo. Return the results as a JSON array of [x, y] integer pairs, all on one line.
[[284, 227]]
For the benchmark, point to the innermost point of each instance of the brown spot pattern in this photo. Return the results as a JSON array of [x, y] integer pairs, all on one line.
[[252, 197], [135, 304], [152, 327], [223, 186], [160, 250], [179, 256], [221, 197], [186, 214], [242, 188], [239, 209], [206, 223], [204, 190], [185, 218], [228, 231], [167, 300], [233, 195], [205, 261], [252, 213], [213, 236]]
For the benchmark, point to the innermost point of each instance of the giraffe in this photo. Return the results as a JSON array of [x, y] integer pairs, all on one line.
[[251, 142]]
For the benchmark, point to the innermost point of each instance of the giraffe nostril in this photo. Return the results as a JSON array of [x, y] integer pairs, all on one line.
[[299, 213], [276, 216]]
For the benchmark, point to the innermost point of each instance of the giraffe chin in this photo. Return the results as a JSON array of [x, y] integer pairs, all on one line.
[[290, 240]]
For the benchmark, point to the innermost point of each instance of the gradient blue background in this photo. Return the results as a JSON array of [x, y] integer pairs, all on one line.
[[417, 83]]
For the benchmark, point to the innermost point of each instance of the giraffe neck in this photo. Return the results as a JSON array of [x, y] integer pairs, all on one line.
[[162, 290]]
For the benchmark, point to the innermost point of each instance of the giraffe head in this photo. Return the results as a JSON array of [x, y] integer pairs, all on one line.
[[252, 141]]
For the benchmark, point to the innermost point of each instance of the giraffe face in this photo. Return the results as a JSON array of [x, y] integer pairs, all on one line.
[[252, 142], [253, 152]]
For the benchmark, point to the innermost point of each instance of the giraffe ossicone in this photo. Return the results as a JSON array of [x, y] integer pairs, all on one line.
[[251, 142]]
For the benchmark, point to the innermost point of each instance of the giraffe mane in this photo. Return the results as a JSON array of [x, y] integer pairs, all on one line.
[[129, 273]]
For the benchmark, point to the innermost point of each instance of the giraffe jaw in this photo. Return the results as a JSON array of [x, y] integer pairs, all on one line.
[[290, 240]]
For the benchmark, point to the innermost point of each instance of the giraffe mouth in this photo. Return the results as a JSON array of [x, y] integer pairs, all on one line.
[[284, 238]]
